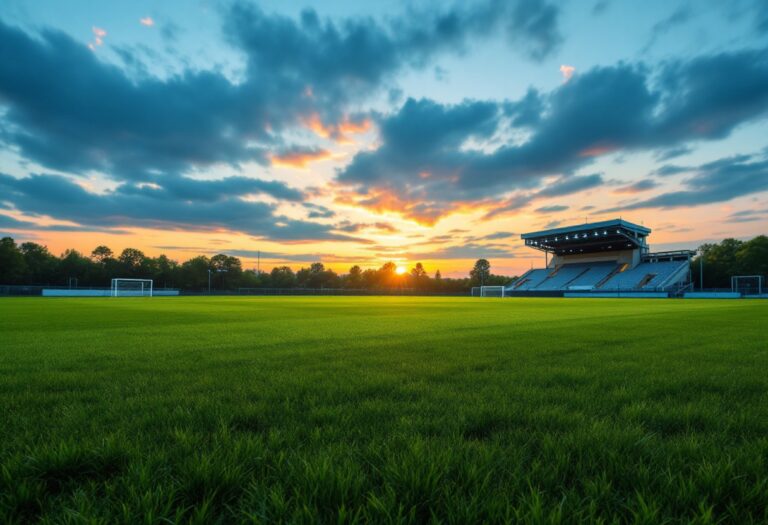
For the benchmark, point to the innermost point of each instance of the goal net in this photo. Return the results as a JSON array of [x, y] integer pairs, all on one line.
[[491, 291], [747, 284], [131, 288]]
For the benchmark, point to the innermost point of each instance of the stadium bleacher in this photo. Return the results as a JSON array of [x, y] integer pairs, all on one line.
[[618, 259], [646, 275]]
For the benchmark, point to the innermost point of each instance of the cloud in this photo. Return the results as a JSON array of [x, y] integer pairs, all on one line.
[[6, 221], [101, 119], [436, 156], [567, 72], [195, 205], [466, 251], [299, 158], [351, 227], [669, 170], [600, 7], [98, 38], [495, 236], [637, 187], [147, 21], [668, 154], [317, 211], [748, 216], [551, 209], [717, 181], [678, 17], [569, 185]]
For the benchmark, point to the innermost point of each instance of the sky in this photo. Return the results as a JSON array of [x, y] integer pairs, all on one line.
[[345, 132]]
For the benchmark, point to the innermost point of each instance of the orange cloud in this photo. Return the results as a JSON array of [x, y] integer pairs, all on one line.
[[315, 123], [350, 127], [147, 21], [420, 211], [567, 72], [338, 132], [299, 159]]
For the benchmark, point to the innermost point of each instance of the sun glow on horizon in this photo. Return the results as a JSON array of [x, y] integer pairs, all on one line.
[[400, 270]]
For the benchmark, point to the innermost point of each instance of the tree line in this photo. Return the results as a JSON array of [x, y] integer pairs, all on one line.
[[30, 263], [730, 257], [33, 264]]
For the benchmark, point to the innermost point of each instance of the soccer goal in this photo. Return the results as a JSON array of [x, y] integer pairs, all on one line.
[[747, 284], [131, 288], [491, 291]]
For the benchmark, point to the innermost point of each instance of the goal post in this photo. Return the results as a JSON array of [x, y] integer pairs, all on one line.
[[124, 287], [747, 284], [492, 291]]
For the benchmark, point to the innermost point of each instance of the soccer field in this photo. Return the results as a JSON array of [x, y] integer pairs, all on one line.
[[383, 409]]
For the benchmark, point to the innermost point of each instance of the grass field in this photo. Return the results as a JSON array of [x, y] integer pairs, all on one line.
[[383, 409]]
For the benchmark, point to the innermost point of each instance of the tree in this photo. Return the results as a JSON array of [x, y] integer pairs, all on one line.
[[194, 273], [480, 273], [74, 265], [355, 277], [101, 253], [12, 266], [133, 261], [282, 277], [40, 263], [419, 276], [164, 271], [228, 269], [730, 257], [438, 282], [388, 275]]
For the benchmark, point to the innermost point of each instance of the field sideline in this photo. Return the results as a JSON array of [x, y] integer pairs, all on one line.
[[383, 409]]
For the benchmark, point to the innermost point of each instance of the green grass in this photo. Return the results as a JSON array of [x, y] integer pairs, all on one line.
[[383, 409]]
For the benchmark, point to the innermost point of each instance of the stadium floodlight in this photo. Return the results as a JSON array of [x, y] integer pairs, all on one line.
[[492, 291], [125, 287]]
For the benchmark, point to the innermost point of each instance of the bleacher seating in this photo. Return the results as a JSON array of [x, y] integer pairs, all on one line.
[[531, 279], [634, 278], [561, 276], [591, 278]]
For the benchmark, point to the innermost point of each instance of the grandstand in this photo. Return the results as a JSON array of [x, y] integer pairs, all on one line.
[[602, 257]]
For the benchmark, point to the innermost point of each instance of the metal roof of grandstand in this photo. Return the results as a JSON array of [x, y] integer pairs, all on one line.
[[590, 237], [589, 226]]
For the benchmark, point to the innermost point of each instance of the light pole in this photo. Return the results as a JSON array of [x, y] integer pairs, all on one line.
[[220, 270], [701, 270]]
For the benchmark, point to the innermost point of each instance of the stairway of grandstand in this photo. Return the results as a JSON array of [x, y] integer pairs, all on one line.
[[600, 276]]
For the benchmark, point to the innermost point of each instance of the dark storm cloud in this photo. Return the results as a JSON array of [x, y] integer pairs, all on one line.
[[717, 181], [128, 206], [70, 111], [603, 110]]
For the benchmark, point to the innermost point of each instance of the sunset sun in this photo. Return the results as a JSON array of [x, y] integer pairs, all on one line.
[[400, 270]]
